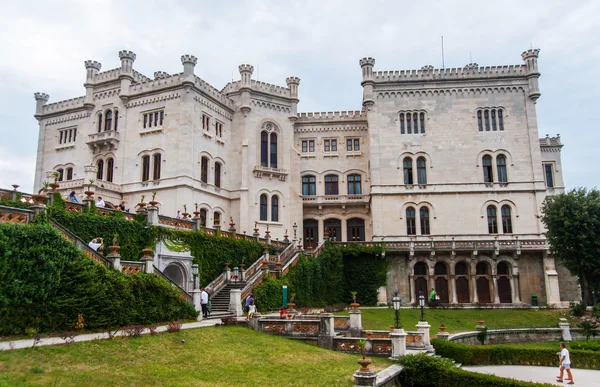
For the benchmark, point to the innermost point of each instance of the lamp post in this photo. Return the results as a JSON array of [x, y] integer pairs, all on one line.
[[236, 271], [396, 303], [195, 274], [422, 305], [295, 227]]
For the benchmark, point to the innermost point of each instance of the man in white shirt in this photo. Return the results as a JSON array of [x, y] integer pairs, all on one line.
[[178, 214], [204, 302], [565, 364], [100, 202], [96, 243]]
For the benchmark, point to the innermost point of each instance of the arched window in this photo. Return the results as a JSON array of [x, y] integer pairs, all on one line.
[[331, 185], [354, 185], [500, 120], [424, 215], [486, 115], [116, 120], [309, 185], [408, 170], [506, 219], [488, 174], [273, 152], [263, 207], [100, 173], [502, 268], [203, 217], [108, 121], [440, 269], [217, 218], [492, 221], [69, 173], [416, 122], [61, 173], [264, 149], [420, 268], [481, 268], [501, 167], [99, 122], [421, 170], [411, 228], [401, 123], [460, 268], [408, 126], [156, 166], [145, 168], [217, 174], [479, 121], [422, 116], [333, 229], [274, 208], [204, 170], [494, 127], [110, 165]]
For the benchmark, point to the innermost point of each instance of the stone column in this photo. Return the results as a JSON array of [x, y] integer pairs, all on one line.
[[235, 302], [326, 331], [517, 290], [114, 257], [453, 299], [413, 293], [243, 272], [424, 327], [152, 219], [551, 280], [566, 332], [227, 273], [355, 323], [495, 289], [254, 322], [148, 261], [398, 337], [197, 302], [363, 379], [443, 335], [475, 296]]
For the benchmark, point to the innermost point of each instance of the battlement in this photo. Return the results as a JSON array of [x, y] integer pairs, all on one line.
[[160, 75], [532, 53], [270, 88], [246, 68], [156, 84], [189, 59], [41, 97], [139, 77], [292, 81], [63, 105], [125, 54], [351, 115], [108, 75], [367, 62], [213, 92], [92, 64], [551, 141], [468, 72]]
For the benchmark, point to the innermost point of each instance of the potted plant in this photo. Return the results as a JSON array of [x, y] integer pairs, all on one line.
[[153, 203], [364, 363], [142, 204], [114, 249], [196, 212], [292, 304], [41, 197], [55, 176], [185, 213], [442, 327], [89, 193], [354, 304]]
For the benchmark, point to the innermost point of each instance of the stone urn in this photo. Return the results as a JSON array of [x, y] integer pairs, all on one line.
[[354, 305], [147, 253], [364, 364], [54, 186], [227, 264], [39, 198], [481, 322], [185, 215], [442, 328], [196, 214], [89, 194], [115, 249], [291, 305], [153, 204], [15, 186]]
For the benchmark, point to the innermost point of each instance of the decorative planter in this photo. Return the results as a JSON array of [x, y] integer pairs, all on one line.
[[153, 203], [141, 204], [115, 249], [147, 254], [290, 316], [39, 198], [89, 194], [227, 264], [481, 322], [196, 214], [364, 364], [54, 186], [442, 328], [185, 215], [354, 305], [15, 186], [291, 305]]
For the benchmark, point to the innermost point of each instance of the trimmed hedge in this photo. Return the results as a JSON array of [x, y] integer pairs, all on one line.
[[45, 283], [269, 294], [426, 371], [505, 354]]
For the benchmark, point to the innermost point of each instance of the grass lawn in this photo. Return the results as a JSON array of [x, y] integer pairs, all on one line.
[[462, 320], [223, 356]]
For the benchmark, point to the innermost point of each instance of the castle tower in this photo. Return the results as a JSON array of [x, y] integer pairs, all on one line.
[[292, 83], [530, 58], [40, 99], [246, 84], [92, 67], [366, 65], [126, 76], [189, 63]]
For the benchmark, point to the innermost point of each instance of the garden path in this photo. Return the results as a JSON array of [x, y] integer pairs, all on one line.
[[583, 378]]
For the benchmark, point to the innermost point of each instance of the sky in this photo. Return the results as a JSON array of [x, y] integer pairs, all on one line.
[[44, 46]]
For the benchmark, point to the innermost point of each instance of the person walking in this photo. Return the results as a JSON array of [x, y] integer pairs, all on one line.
[[249, 301], [565, 364], [204, 302]]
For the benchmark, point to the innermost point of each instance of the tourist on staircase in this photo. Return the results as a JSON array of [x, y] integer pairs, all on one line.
[[96, 244], [204, 302]]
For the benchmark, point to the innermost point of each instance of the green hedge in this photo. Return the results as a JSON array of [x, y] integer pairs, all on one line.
[[425, 371], [512, 354], [269, 294], [14, 203], [45, 283]]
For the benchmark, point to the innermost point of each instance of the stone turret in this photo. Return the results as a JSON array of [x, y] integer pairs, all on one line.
[[530, 58], [126, 76], [92, 67], [41, 99], [246, 71], [160, 75], [292, 83], [189, 63], [366, 65]]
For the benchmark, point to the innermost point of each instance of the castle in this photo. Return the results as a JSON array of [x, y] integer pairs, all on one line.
[[443, 166]]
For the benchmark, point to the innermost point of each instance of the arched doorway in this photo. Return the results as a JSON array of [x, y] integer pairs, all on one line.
[[462, 283], [504, 292], [440, 272], [483, 283], [356, 229], [334, 228], [175, 273], [420, 272], [311, 233]]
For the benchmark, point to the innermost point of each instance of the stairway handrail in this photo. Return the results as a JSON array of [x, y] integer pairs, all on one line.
[[81, 244], [187, 296]]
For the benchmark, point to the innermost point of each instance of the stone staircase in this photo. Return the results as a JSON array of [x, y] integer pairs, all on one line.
[[220, 300]]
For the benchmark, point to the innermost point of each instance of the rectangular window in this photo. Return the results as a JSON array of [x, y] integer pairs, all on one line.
[[218, 129], [308, 146], [151, 119], [304, 146], [330, 145], [145, 168], [549, 175], [352, 144], [156, 171], [327, 149], [205, 122]]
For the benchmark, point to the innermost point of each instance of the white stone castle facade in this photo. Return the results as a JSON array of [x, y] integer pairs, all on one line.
[[443, 165]]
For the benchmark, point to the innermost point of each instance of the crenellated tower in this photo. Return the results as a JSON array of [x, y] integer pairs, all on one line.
[[245, 87], [189, 64], [126, 75], [92, 68], [366, 65], [292, 83], [530, 57], [41, 99]]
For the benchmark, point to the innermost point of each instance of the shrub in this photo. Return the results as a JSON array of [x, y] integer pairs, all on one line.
[[586, 345], [425, 371], [588, 329], [174, 326], [577, 308], [133, 330], [596, 311], [512, 354], [268, 294]]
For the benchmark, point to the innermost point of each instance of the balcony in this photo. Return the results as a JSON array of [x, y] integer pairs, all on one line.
[[266, 172], [104, 141], [74, 185], [321, 200]]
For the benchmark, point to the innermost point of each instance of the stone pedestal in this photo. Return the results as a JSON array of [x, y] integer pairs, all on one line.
[[355, 323], [398, 337], [115, 260], [424, 327], [443, 336], [227, 274], [326, 331], [362, 379], [253, 322], [196, 300], [148, 260], [152, 219], [566, 331], [235, 302]]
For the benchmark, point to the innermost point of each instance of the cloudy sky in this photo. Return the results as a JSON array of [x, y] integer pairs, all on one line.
[[44, 45]]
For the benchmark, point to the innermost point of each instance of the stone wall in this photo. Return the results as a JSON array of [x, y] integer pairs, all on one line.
[[511, 336]]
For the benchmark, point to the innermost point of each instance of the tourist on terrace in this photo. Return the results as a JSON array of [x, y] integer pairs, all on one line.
[[96, 243], [204, 302], [100, 202], [283, 313], [249, 301], [72, 197], [178, 215], [122, 206], [251, 310]]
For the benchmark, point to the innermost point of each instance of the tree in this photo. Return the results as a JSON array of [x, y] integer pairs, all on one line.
[[573, 223]]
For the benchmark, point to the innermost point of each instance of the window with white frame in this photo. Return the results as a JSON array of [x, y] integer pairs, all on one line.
[[153, 119], [330, 145], [308, 146], [353, 145]]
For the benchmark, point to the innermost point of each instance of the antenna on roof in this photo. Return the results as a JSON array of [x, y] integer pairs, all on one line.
[[443, 64]]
